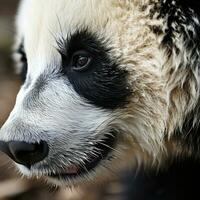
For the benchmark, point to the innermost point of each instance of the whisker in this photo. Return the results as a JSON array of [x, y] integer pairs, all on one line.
[[115, 150]]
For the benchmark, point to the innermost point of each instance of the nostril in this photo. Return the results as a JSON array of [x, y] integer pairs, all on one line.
[[25, 153]]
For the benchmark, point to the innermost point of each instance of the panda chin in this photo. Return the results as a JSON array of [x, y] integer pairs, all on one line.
[[75, 171]]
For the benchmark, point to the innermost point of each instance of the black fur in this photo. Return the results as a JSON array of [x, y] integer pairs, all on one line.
[[104, 84], [193, 4], [178, 181], [24, 62], [182, 18], [181, 15]]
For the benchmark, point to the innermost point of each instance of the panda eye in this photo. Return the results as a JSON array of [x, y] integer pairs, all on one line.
[[81, 61]]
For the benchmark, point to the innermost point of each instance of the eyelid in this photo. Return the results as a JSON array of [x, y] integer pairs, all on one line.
[[82, 53]]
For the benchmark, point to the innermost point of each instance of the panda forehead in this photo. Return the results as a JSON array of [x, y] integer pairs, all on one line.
[[39, 22], [38, 17]]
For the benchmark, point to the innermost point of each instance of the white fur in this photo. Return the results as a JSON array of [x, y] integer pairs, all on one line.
[[67, 121]]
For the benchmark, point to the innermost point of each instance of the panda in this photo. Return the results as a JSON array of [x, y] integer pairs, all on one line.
[[107, 84]]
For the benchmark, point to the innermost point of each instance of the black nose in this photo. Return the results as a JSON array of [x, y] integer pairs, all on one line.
[[25, 153]]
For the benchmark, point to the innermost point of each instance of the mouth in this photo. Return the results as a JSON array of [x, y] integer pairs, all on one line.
[[104, 149]]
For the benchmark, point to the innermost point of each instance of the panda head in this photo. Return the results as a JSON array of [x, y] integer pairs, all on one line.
[[106, 83]]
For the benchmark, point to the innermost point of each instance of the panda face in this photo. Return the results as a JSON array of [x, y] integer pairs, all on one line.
[[95, 92], [88, 69]]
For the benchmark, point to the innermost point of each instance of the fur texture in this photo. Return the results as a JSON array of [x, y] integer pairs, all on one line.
[[154, 43]]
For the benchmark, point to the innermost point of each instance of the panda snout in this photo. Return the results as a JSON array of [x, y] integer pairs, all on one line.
[[25, 153]]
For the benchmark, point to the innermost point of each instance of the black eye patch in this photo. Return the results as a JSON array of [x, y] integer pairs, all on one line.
[[23, 60], [101, 82]]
